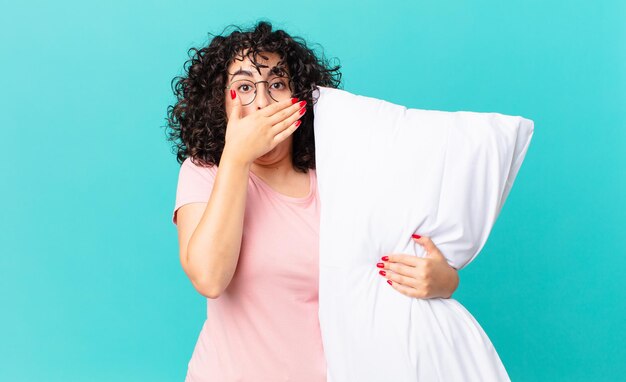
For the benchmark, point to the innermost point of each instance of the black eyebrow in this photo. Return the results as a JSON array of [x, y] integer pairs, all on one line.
[[275, 70], [243, 72]]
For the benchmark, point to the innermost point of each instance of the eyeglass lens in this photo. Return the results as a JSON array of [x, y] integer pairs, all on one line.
[[279, 88]]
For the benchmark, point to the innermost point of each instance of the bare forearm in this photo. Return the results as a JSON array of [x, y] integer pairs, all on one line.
[[214, 246]]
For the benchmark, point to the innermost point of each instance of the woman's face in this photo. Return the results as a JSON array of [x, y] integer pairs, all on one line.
[[242, 68]]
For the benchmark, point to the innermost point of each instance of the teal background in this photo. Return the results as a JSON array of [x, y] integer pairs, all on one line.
[[91, 288]]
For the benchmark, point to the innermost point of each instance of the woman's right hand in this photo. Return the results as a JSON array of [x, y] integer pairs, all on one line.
[[252, 136]]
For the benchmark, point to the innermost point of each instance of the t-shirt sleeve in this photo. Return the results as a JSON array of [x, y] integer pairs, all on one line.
[[195, 183]]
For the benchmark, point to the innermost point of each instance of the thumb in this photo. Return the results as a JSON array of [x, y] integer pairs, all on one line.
[[436, 254], [429, 246], [235, 112]]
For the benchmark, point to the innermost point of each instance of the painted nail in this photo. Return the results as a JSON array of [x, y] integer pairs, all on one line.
[[302, 111], [415, 236], [232, 94], [389, 282], [294, 100], [380, 265], [385, 258], [298, 122], [302, 103], [382, 273]]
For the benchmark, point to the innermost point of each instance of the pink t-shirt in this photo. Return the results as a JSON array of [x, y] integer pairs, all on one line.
[[264, 326]]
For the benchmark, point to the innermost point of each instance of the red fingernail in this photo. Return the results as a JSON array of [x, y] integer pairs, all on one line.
[[294, 100], [232, 94], [380, 265], [298, 122], [382, 273], [389, 282], [302, 103], [416, 236], [385, 258], [302, 111]]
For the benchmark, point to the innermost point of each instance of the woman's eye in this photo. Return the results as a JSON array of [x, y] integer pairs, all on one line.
[[278, 85], [244, 88]]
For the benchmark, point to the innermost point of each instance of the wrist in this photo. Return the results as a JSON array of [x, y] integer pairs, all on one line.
[[229, 157], [454, 282]]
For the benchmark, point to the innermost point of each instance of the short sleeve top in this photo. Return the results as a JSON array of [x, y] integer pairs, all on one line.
[[264, 326]]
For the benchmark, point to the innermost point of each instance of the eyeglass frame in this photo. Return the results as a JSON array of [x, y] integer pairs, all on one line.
[[267, 87]]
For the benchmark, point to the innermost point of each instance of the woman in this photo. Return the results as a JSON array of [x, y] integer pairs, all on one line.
[[248, 229]]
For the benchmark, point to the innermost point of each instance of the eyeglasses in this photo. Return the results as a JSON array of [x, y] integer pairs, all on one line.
[[278, 88]]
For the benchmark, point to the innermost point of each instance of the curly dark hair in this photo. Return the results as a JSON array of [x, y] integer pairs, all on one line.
[[197, 122]]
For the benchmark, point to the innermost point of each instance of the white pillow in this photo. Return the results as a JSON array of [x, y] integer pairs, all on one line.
[[385, 172]]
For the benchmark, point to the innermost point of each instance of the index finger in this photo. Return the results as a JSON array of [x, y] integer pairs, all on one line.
[[277, 106], [403, 259]]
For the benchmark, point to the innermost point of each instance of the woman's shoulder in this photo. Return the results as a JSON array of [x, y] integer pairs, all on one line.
[[192, 170], [197, 165]]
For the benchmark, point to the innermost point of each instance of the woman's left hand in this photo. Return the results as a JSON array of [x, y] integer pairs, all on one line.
[[420, 277]]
